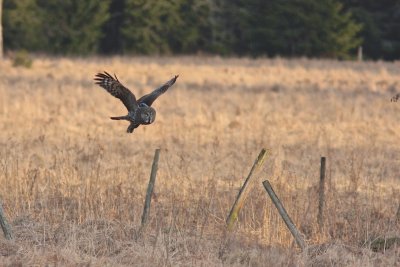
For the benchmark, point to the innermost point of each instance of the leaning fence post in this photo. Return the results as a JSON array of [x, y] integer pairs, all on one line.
[[320, 216], [150, 187], [4, 224], [281, 209], [233, 214]]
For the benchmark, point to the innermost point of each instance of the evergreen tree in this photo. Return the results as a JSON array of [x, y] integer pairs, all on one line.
[[163, 27], [1, 29], [230, 22], [56, 26], [73, 26], [146, 25], [22, 20], [195, 31], [112, 38], [301, 27], [381, 24]]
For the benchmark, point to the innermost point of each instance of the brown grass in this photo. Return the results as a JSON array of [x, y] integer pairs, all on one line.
[[73, 182]]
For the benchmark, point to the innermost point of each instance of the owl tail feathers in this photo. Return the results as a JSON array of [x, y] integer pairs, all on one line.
[[120, 118]]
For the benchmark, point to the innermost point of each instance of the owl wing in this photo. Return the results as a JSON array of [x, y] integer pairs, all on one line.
[[115, 88], [395, 98], [150, 98]]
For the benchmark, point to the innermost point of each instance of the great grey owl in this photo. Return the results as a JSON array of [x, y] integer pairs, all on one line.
[[139, 111]]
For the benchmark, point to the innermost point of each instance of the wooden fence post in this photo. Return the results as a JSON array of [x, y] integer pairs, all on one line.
[[281, 209], [150, 187], [4, 224], [233, 214], [320, 217]]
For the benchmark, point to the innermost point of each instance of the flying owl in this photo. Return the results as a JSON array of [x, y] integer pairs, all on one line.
[[395, 98], [139, 111]]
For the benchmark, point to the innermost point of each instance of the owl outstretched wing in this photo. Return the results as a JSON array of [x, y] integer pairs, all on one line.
[[395, 98], [115, 88], [150, 98]]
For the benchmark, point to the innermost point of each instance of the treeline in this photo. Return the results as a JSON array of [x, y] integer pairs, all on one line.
[[314, 28]]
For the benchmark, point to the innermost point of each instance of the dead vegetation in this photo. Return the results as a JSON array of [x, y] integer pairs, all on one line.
[[73, 182]]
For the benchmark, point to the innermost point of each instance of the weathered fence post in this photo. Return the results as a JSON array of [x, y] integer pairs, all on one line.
[[4, 224], [320, 216], [233, 214], [150, 187], [281, 209]]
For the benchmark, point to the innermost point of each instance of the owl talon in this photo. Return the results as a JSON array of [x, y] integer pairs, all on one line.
[[131, 127]]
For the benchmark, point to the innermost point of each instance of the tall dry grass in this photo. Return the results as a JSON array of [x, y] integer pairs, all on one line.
[[73, 182]]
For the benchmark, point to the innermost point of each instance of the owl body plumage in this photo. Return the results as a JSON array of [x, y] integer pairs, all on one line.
[[140, 111]]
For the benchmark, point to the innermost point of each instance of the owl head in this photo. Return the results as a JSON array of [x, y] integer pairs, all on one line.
[[147, 115]]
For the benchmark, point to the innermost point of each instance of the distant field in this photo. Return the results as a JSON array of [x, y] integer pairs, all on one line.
[[73, 181]]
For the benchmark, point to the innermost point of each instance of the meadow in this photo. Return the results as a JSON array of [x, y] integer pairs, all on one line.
[[73, 182]]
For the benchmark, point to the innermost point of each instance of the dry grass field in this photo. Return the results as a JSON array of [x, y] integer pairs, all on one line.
[[73, 181]]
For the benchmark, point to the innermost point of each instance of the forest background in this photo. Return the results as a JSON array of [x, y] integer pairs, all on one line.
[[311, 28]]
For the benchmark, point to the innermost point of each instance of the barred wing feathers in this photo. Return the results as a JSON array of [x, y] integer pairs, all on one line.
[[116, 89], [150, 98]]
